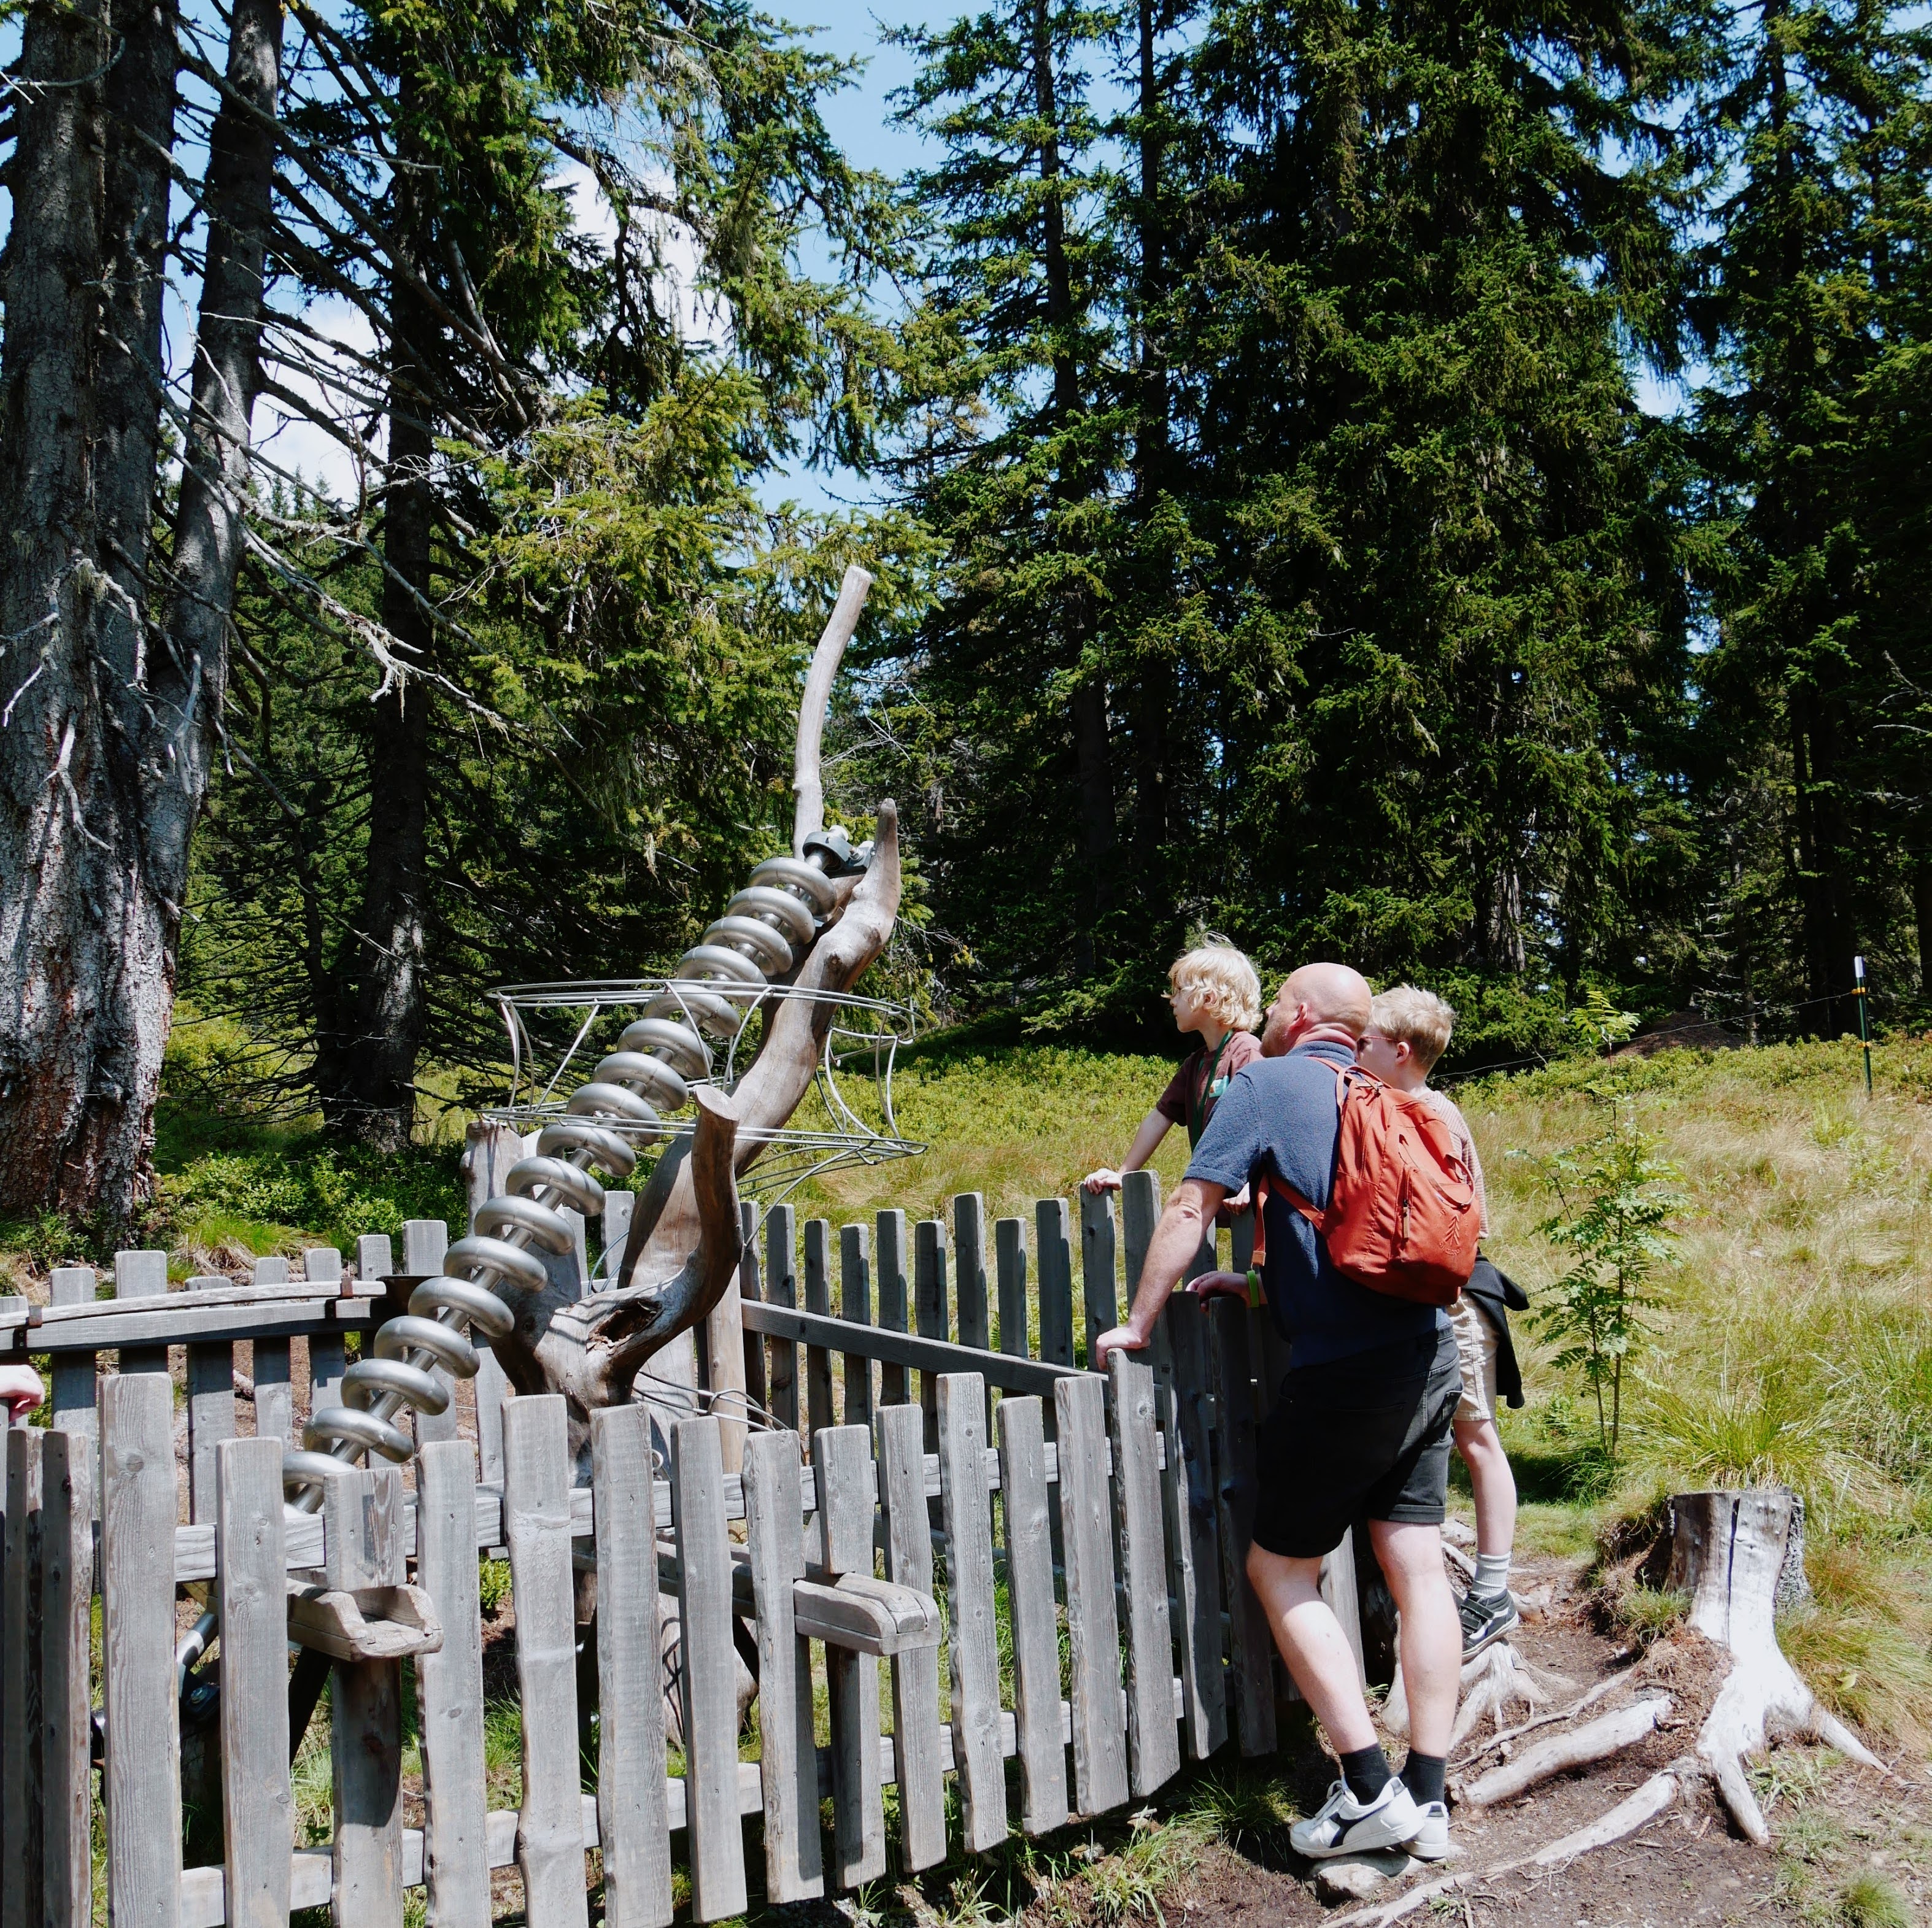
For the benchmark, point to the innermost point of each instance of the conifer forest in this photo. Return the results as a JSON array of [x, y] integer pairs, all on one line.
[[1443, 486]]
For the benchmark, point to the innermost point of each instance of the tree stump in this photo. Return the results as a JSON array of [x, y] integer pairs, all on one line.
[[1728, 1551]]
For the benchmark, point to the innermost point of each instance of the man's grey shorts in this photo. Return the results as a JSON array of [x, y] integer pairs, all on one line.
[[1365, 1437]]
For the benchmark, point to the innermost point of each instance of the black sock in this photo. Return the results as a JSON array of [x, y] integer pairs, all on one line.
[[1366, 1771], [1424, 1775]]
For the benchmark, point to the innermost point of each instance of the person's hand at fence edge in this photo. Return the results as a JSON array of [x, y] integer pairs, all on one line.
[[20, 1392], [1176, 1239], [1223, 1285], [1118, 1338]]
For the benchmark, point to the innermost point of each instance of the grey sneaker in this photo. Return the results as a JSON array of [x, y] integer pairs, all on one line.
[[1486, 1618], [1430, 1842], [1347, 1826]]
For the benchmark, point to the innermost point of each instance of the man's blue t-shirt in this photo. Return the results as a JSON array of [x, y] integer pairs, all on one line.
[[1280, 1114]]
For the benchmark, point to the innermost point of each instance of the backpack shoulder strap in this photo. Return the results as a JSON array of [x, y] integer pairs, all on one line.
[[1315, 1214]]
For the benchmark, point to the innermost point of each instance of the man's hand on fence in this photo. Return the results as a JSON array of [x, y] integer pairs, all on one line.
[[1116, 1339], [1220, 1284]]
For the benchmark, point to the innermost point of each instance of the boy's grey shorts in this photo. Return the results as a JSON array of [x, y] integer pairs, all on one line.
[[1365, 1437]]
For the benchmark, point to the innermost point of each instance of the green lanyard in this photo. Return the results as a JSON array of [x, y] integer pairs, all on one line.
[[1197, 1112]]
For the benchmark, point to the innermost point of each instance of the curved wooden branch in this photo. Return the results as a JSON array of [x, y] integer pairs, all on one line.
[[808, 808]]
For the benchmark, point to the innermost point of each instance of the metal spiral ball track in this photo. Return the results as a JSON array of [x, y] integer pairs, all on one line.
[[766, 929]]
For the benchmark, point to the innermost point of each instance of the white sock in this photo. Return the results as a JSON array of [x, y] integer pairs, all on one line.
[[1492, 1574]]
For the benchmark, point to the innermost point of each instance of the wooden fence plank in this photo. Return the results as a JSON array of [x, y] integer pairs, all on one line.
[[855, 1286], [142, 1779], [709, 1672], [1251, 1645], [73, 1390], [536, 1517], [1009, 1261], [450, 1686], [1194, 1550], [781, 1289], [774, 1506], [269, 1365], [1140, 1212], [140, 1275], [364, 1515], [915, 1749], [257, 1806], [818, 1299], [1042, 1753], [22, 1825], [723, 1335], [841, 1457], [927, 1356], [633, 1826], [211, 1409], [616, 1232], [327, 1359], [67, 1579], [1053, 1262], [970, 1607], [969, 1268], [1153, 1746], [1097, 1286], [889, 1254], [929, 1312], [750, 1286], [1086, 1530], [424, 1242]]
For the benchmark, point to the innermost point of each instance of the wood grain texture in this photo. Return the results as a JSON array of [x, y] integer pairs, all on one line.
[[819, 1412], [141, 1275], [1093, 1634], [855, 1291], [23, 1826], [66, 1614], [751, 1288], [1194, 1546], [1153, 1746], [1034, 1622], [890, 1270], [774, 1508], [1140, 1212], [1009, 1267], [969, 1268], [929, 1312], [450, 1686], [1053, 1261], [363, 1511], [211, 1409], [536, 1520], [72, 1391], [1099, 1286], [709, 1672], [1250, 1643], [633, 1824], [842, 1459], [143, 1778], [724, 1348], [327, 1358], [781, 1289], [257, 1806], [918, 1764], [977, 1758]]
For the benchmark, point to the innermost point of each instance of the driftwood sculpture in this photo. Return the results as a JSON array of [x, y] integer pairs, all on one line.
[[1728, 1551], [816, 920]]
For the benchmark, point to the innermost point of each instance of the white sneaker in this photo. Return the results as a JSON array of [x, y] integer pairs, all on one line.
[[1430, 1842], [1346, 1826]]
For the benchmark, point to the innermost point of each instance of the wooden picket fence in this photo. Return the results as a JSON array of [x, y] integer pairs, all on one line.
[[1102, 1522]]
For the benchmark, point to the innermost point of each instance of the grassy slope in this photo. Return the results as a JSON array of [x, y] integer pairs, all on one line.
[[1796, 1345]]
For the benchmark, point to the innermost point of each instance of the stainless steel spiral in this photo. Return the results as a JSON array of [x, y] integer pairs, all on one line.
[[766, 929]]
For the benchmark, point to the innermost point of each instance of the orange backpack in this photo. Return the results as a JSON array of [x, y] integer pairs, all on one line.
[[1402, 1211]]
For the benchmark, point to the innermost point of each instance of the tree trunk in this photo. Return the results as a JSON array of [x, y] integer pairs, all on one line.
[[57, 898], [372, 1094]]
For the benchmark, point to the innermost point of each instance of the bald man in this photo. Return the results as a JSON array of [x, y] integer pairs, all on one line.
[[1360, 1429]]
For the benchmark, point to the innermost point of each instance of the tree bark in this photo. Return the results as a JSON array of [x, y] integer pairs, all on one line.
[[56, 965], [370, 1090]]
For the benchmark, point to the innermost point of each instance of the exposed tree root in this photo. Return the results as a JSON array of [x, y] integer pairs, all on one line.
[[1595, 1741]]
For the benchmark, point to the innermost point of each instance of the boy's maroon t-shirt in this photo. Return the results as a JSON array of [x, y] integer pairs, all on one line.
[[1190, 1095]]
